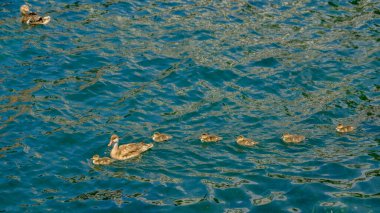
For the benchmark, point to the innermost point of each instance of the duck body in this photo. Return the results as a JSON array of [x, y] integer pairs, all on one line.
[[243, 141], [161, 137], [127, 151], [32, 18], [101, 161], [209, 138], [344, 129], [290, 138]]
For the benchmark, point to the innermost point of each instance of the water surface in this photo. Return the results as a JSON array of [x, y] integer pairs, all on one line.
[[256, 68]]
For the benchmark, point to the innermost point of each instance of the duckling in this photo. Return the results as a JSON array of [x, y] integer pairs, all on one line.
[[243, 141], [289, 138], [344, 129], [209, 138], [161, 137], [127, 151], [101, 161], [32, 18]]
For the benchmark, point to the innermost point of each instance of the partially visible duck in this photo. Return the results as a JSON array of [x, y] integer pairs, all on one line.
[[101, 161], [161, 137], [289, 138], [127, 151], [209, 138], [243, 141], [344, 129], [32, 18]]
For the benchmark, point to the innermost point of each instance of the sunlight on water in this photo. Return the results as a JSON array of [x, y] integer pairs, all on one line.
[[132, 68]]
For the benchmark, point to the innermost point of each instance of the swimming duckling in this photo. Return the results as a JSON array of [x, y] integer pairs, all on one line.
[[344, 129], [101, 161], [289, 138], [127, 151], [243, 141], [209, 138], [32, 18], [161, 137]]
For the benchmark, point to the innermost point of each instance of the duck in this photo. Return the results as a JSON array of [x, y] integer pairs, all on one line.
[[243, 141], [127, 151], [205, 137], [290, 138], [32, 18], [101, 161], [161, 137], [344, 129]]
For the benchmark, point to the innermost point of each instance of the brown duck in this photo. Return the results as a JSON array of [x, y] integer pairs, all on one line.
[[290, 138], [344, 129], [127, 151], [161, 137], [243, 141], [32, 18], [209, 138], [101, 161]]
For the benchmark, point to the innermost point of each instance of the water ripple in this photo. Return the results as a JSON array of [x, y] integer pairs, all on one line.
[[252, 68]]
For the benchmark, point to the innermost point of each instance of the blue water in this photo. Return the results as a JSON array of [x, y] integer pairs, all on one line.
[[256, 68]]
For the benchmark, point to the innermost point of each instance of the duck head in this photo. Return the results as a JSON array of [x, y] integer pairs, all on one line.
[[114, 139], [95, 157], [24, 9], [339, 126], [240, 137], [203, 136]]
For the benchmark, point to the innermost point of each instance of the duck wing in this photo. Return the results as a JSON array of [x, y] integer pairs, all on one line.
[[34, 19], [134, 149], [162, 137], [130, 155], [131, 147], [215, 138]]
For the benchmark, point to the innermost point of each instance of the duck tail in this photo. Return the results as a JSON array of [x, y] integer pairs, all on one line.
[[46, 19], [147, 146]]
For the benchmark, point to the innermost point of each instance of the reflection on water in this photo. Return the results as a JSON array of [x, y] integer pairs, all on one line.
[[252, 68]]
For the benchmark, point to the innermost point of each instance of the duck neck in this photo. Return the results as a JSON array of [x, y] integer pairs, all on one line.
[[115, 149]]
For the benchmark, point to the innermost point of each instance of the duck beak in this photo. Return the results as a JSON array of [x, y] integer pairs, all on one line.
[[115, 140]]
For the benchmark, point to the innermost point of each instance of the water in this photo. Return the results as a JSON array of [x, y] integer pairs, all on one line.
[[256, 68]]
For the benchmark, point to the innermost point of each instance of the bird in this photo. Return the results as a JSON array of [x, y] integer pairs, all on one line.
[[127, 151], [209, 138], [289, 138], [32, 18], [243, 141], [161, 137], [101, 161], [344, 129]]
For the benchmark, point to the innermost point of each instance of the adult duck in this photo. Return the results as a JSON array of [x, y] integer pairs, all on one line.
[[32, 18], [127, 151]]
